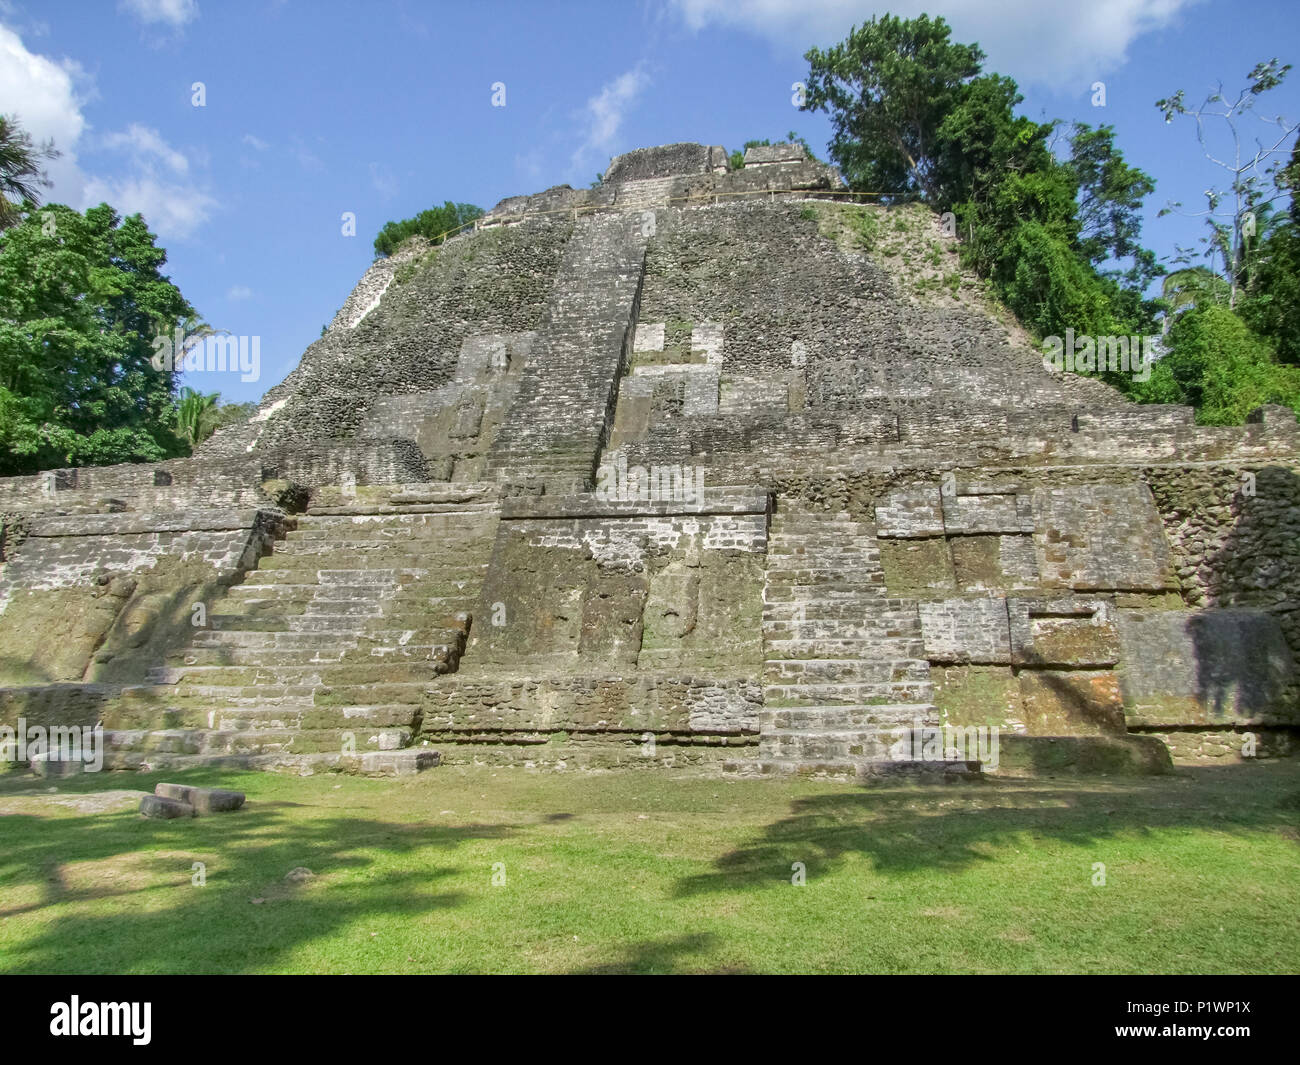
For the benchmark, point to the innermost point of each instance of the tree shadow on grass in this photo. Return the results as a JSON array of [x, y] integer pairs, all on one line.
[[906, 829], [150, 917], [663, 957]]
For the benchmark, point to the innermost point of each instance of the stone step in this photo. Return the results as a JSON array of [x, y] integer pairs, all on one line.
[[255, 741], [357, 509], [411, 564], [350, 623], [404, 762], [444, 492], [469, 515], [821, 582], [348, 577], [905, 691], [854, 591], [829, 609], [163, 717], [247, 610], [211, 696], [860, 770], [881, 648], [271, 640], [809, 671], [316, 674], [436, 656], [366, 550], [330, 599], [824, 744], [258, 656], [433, 541], [883, 717], [353, 622], [866, 628]]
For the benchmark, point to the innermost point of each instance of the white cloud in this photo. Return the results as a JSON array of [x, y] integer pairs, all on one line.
[[46, 95], [1057, 44], [147, 145], [239, 292], [151, 176], [255, 142], [173, 206], [175, 13], [604, 113], [171, 209]]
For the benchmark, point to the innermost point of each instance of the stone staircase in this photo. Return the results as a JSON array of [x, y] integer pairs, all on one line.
[[845, 678], [554, 430], [323, 654]]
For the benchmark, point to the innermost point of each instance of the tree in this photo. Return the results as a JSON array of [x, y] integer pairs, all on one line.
[[81, 298], [196, 416], [232, 414], [432, 224], [1195, 286], [1231, 213], [1272, 302], [888, 89], [1220, 367], [21, 173], [1110, 205]]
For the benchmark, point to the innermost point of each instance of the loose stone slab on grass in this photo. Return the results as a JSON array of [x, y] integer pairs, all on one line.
[[44, 765], [202, 800], [164, 809]]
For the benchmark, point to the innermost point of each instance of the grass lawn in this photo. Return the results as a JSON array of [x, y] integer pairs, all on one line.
[[645, 872]]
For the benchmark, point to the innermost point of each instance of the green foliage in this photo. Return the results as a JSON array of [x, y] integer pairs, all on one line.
[[1044, 282], [232, 414], [914, 117], [1272, 302], [195, 415], [432, 224], [81, 297], [1220, 367], [21, 173], [1110, 203], [888, 89], [412, 267]]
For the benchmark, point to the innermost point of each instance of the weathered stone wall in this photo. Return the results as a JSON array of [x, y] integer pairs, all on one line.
[[931, 526], [493, 281], [579, 585], [104, 597]]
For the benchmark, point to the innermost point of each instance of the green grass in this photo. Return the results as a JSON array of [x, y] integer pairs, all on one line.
[[644, 872]]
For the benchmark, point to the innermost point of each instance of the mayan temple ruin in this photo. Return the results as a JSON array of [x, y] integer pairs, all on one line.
[[702, 467]]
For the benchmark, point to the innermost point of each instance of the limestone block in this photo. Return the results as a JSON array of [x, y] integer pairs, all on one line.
[[978, 695], [1071, 702], [164, 809], [917, 566], [913, 511], [994, 562], [649, 337], [1001, 513], [1066, 631], [1206, 667], [707, 337], [1106, 537], [202, 800], [966, 630]]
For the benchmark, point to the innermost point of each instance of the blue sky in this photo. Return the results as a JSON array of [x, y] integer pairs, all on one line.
[[385, 108]]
